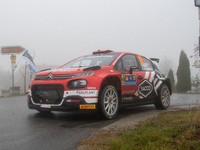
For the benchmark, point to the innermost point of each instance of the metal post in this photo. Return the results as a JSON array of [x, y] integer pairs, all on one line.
[[13, 92], [199, 30]]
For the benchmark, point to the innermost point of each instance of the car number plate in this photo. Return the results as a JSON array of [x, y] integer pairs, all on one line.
[[45, 106]]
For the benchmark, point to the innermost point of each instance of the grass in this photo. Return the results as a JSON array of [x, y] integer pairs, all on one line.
[[177, 130]]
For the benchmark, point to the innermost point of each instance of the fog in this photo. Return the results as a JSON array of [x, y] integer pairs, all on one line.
[[56, 31]]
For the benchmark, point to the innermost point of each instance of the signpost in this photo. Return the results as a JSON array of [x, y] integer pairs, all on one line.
[[12, 50]]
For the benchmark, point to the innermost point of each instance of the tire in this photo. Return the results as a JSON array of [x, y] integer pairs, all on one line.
[[109, 102], [163, 100]]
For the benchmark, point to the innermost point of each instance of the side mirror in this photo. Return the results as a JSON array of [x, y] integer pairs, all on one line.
[[132, 68]]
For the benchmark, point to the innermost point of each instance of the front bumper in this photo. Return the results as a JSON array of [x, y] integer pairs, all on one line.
[[70, 103]]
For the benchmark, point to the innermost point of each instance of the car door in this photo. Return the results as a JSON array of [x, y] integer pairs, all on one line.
[[146, 75], [129, 80]]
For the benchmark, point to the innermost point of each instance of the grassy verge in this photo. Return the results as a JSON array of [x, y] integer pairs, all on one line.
[[177, 130]]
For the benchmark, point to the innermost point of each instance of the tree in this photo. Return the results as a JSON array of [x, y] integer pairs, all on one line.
[[183, 73], [24, 73], [171, 77], [196, 83]]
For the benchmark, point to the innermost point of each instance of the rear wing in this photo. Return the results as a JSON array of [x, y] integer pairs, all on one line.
[[155, 59]]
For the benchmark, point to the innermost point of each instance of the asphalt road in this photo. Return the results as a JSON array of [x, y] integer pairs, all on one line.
[[24, 129]]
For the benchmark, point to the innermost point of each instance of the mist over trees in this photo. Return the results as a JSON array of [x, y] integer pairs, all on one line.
[[165, 64], [183, 73], [5, 80]]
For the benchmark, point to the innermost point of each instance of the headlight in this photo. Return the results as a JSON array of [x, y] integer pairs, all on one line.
[[76, 84]]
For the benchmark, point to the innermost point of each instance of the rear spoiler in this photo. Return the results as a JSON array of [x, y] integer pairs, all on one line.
[[155, 59]]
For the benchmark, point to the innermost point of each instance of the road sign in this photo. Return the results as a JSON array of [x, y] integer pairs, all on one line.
[[11, 50], [13, 59]]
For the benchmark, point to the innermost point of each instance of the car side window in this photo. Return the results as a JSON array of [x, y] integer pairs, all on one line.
[[126, 62], [118, 65], [129, 61], [146, 64]]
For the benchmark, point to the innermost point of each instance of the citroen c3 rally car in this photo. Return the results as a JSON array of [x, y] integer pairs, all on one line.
[[103, 81]]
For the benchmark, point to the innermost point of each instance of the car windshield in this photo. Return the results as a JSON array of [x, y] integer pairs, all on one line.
[[104, 59]]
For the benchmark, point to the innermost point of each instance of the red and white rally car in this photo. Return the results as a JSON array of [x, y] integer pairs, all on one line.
[[102, 81]]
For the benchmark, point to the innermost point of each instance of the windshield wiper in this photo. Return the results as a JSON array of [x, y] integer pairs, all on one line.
[[92, 68]]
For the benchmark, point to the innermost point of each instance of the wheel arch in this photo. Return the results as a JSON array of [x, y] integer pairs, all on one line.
[[167, 82], [111, 80]]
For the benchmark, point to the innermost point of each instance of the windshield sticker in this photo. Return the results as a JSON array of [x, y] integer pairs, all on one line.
[[141, 60], [129, 80]]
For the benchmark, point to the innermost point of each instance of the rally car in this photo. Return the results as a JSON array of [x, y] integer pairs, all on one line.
[[102, 81]]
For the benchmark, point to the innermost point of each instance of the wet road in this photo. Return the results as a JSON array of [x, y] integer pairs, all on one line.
[[21, 128]]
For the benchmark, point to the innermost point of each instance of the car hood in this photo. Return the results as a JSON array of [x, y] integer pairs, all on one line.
[[60, 71]]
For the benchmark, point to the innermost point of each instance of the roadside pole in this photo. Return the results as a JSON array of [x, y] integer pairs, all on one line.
[[13, 62], [197, 4]]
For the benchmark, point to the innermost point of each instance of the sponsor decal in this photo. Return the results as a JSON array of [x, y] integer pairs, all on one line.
[[129, 80], [111, 87], [145, 88], [85, 92], [141, 60], [128, 92], [73, 101], [91, 88], [93, 106], [127, 99]]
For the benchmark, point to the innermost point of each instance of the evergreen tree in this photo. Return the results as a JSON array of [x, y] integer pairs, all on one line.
[[171, 77], [183, 73]]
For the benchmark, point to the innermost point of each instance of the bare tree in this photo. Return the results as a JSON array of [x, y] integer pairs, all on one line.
[[196, 57], [24, 74]]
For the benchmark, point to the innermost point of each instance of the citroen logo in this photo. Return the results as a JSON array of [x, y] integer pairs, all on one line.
[[49, 76]]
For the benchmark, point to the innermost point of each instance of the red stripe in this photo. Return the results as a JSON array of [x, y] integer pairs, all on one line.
[[149, 75], [91, 97]]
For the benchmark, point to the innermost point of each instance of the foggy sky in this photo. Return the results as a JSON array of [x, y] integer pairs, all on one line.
[[56, 31]]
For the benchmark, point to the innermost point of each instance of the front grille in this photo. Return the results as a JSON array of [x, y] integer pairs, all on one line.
[[53, 77], [50, 76], [47, 93]]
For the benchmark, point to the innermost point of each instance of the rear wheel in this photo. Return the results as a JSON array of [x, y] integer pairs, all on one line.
[[109, 102], [163, 100]]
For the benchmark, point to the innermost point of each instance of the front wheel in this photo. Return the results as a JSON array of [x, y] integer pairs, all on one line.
[[109, 102], [163, 100]]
